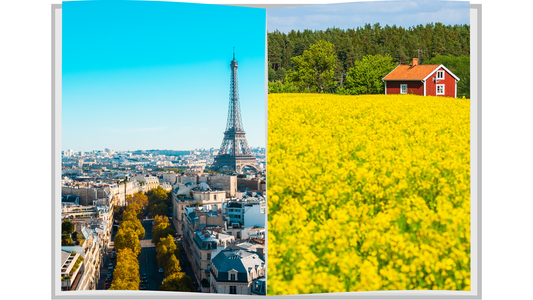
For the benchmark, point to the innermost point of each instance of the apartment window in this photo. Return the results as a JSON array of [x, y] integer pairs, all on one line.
[[440, 89], [403, 88], [232, 277], [208, 256], [233, 289], [440, 74]]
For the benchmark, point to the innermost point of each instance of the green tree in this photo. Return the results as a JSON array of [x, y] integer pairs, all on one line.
[[138, 198], [165, 248], [366, 75], [158, 219], [127, 238], [172, 266], [158, 209], [279, 87], [157, 195], [67, 227], [66, 239], [126, 274], [352, 44], [161, 231], [178, 281], [133, 212], [158, 201], [314, 70], [135, 226]]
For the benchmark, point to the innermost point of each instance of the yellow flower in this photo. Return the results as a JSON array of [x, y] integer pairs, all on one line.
[[368, 193]]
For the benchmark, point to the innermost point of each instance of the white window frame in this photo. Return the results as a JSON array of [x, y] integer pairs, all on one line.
[[401, 88], [440, 75], [440, 85]]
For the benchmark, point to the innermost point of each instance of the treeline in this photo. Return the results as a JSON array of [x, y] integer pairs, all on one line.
[[128, 243], [168, 256], [433, 43], [159, 201], [128, 246], [351, 45]]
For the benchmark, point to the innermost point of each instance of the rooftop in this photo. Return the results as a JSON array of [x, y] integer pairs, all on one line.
[[407, 72], [242, 261]]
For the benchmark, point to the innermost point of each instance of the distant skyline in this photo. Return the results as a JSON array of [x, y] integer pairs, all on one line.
[[356, 14], [155, 75], [115, 150]]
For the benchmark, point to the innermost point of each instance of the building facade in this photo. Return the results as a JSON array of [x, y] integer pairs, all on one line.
[[235, 271]]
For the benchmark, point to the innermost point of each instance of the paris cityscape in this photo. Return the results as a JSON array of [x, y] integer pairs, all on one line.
[[163, 184], [209, 213], [169, 220]]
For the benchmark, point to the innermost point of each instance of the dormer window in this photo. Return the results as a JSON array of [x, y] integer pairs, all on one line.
[[232, 276]]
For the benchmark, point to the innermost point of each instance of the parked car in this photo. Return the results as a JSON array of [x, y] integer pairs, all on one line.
[[109, 274], [110, 266], [161, 270]]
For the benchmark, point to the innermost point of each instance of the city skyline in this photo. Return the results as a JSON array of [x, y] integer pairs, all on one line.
[[134, 150], [156, 75], [356, 14]]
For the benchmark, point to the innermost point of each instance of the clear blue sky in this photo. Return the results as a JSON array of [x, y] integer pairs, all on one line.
[[156, 75], [357, 14]]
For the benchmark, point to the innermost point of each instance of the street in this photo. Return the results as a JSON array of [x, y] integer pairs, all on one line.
[[147, 262], [148, 258], [186, 266], [104, 267]]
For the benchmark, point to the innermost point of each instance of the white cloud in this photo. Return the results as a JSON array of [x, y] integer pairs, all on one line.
[[353, 15]]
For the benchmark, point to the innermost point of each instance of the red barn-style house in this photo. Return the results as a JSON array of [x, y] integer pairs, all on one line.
[[426, 80]]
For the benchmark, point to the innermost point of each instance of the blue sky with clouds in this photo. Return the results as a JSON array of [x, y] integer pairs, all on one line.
[[156, 75], [357, 14]]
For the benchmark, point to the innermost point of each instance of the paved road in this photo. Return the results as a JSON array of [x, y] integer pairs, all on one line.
[[106, 259], [186, 265], [147, 261], [148, 258]]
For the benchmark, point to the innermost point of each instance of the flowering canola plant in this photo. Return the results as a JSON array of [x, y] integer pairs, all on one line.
[[368, 193]]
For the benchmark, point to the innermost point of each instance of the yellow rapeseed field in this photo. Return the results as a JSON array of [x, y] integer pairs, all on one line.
[[368, 193]]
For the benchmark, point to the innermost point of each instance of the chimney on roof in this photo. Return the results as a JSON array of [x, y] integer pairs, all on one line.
[[415, 62]]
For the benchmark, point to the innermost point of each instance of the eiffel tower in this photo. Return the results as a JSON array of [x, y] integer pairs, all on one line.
[[234, 153]]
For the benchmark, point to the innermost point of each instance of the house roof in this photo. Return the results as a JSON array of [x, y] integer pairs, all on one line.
[[406, 72], [70, 199], [239, 260], [418, 72]]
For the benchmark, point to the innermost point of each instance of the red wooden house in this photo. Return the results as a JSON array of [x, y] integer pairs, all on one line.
[[426, 80]]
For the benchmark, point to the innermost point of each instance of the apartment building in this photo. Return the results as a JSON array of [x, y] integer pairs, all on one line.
[[148, 182], [236, 271], [207, 243]]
